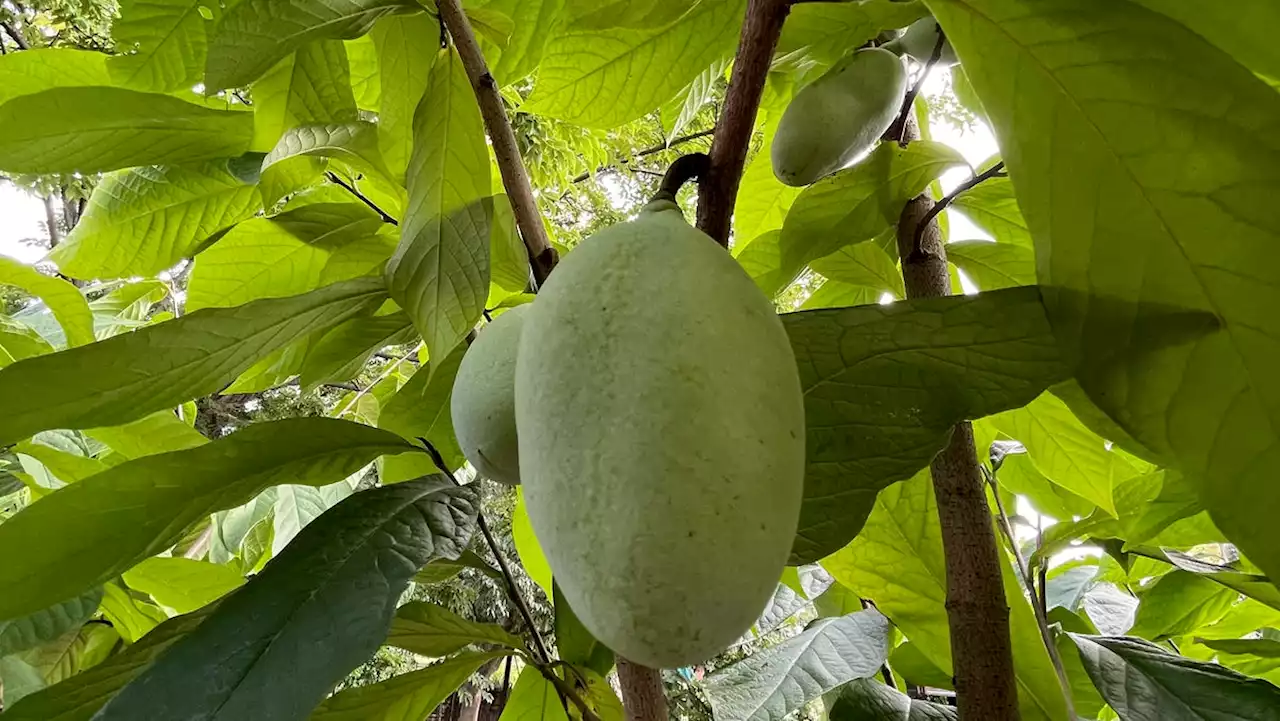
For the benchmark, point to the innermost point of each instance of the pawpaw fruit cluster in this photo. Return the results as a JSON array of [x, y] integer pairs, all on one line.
[[482, 406], [839, 116], [661, 438]]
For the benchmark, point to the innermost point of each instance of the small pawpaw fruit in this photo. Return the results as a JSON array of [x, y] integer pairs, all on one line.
[[839, 116], [483, 405], [661, 438], [919, 40]]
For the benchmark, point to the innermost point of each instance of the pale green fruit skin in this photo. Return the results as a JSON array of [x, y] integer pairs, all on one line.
[[838, 117], [920, 39], [483, 405], [661, 439]]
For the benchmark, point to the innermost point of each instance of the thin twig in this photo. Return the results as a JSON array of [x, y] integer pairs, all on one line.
[[385, 372], [515, 179], [539, 645], [898, 131], [1042, 619], [17, 38], [719, 187], [386, 218], [397, 358], [647, 152], [994, 171]]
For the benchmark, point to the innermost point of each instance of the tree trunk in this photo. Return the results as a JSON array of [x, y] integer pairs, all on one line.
[[51, 221], [976, 608], [642, 693]]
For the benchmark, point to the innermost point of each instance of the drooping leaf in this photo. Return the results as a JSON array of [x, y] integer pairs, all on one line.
[[533, 698], [183, 584], [404, 63], [994, 265], [354, 143], [885, 384], [253, 35], [443, 570], [1110, 198], [1179, 604], [37, 69], [159, 432], [173, 362], [678, 112], [859, 203], [1142, 681], [168, 39], [773, 682], [144, 220], [311, 86], [47, 624], [131, 612], [834, 294], [94, 129], [297, 505], [865, 264], [342, 352], [1018, 475], [139, 508], [531, 555], [435, 631], [420, 409], [869, 700], [408, 696], [534, 25], [602, 78], [275, 648], [993, 208], [1257, 587], [67, 467], [19, 342], [826, 32], [64, 299]]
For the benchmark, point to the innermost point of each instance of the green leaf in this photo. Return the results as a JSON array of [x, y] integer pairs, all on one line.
[[37, 69], [174, 361], [440, 272], [763, 200], [144, 220], [994, 265], [183, 584], [1018, 475], [993, 208], [420, 409], [77, 698], [311, 86], [362, 64], [159, 432], [74, 652], [834, 294], [130, 612], [168, 38], [1241, 28], [575, 643], [602, 78], [20, 679], [773, 682], [869, 700], [404, 64], [1260, 647], [1252, 585], [64, 299], [297, 505], [865, 264], [443, 570], [435, 631], [1141, 681], [341, 353], [256, 654], [527, 548], [139, 508], [19, 341], [678, 112], [255, 34], [47, 624], [826, 32], [68, 467], [409, 696], [354, 143], [231, 527], [1179, 604], [535, 23], [859, 203], [534, 698], [946, 359], [1110, 199], [92, 129]]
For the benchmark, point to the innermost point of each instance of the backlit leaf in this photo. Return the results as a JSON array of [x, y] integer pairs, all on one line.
[[168, 38], [64, 299], [435, 631], [407, 696], [183, 584]]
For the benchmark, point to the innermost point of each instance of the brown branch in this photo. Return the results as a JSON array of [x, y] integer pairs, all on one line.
[[719, 187], [17, 37], [649, 151], [995, 171], [977, 612], [642, 694], [515, 179]]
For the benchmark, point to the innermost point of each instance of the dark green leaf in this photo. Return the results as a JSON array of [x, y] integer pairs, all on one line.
[[92, 129], [412, 695], [172, 362], [139, 508], [276, 647], [435, 631], [20, 634], [870, 700], [1252, 585], [884, 385]]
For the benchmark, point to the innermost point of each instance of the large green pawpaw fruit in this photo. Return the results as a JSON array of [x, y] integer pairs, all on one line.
[[839, 116], [483, 405], [661, 439], [919, 41]]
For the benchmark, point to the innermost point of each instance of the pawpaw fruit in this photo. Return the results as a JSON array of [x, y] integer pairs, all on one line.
[[919, 40], [661, 438], [839, 116], [483, 405]]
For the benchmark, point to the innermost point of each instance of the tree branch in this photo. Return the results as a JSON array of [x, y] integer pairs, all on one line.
[[719, 187], [650, 151], [995, 171], [644, 699], [17, 37], [898, 131], [515, 179], [386, 218]]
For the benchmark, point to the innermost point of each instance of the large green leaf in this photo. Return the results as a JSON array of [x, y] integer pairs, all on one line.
[[994, 265], [1179, 604], [773, 682], [1254, 586], [1242, 28], [602, 78], [440, 272], [73, 652], [275, 648], [163, 365], [139, 508], [1131, 221], [992, 207], [870, 700], [865, 264], [80, 696], [859, 203], [825, 32], [183, 584], [435, 631], [144, 220], [535, 24], [354, 143], [255, 34], [47, 624], [1142, 681], [312, 85], [533, 698], [884, 385], [341, 353], [31, 71], [19, 341], [412, 695], [92, 129], [298, 505], [168, 38], [404, 64], [64, 299], [420, 409], [159, 432]]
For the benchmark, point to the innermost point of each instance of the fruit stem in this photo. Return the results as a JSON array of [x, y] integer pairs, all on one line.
[[682, 170], [898, 131]]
